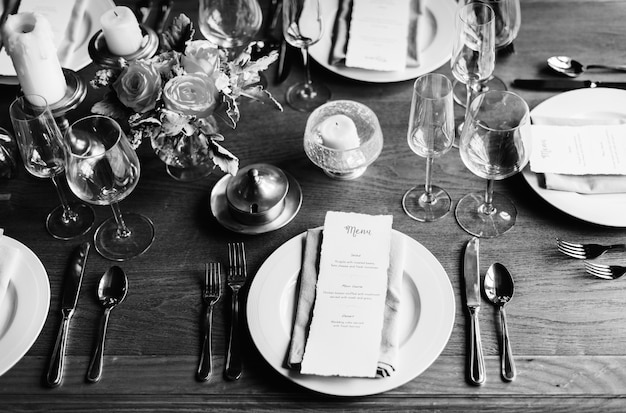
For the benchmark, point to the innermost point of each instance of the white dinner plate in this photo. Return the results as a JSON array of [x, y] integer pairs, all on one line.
[[426, 316], [594, 105], [89, 25], [24, 308], [435, 37]]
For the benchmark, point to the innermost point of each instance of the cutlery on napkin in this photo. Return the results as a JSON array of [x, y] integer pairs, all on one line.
[[308, 278]]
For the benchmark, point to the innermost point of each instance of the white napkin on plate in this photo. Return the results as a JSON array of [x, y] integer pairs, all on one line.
[[9, 266]]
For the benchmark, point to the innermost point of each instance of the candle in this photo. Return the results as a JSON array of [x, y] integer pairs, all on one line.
[[30, 44], [121, 31], [339, 132]]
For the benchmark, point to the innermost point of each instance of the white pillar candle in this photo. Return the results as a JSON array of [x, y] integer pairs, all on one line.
[[121, 31], [29, 41], [339, 132]]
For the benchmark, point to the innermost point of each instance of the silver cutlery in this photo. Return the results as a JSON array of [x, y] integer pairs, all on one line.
[[499, 289], [472, 300], [71, 287], [165, 8], [112, 290], [573, 68], [564, 84], [236, 278], [211, 293], [586, 251], [604, 271]]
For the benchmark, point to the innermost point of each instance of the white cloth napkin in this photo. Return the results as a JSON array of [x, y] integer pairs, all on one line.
[[306, 299], [9, 266]]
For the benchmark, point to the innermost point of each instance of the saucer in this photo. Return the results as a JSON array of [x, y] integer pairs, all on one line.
[[220, 210]]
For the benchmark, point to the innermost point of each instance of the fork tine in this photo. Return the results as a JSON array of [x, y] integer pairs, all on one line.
[[216, 284], [206, 278], [572, 253], [568, 244], [601, 271], [242, 260]]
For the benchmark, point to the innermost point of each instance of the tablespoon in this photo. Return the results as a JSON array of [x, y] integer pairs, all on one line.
[[112, 290], [573, 68], [499, 289]]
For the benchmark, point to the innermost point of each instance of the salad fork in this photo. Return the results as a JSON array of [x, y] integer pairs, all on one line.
[[211, 293], [236, 278], [586, 251], [607, 272]]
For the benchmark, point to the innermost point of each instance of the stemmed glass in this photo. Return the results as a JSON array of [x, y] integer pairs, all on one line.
[[41, 146], [103, 169], [430, 135], [302, 27], [494, 146], [473, 51], [230, 24]]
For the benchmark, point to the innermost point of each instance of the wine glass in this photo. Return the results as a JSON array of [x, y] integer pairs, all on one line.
[[41, 146], [430, 135], [302, 27], [494, 145], [230, 24], [473, 50], [102, 169], [508, 21]]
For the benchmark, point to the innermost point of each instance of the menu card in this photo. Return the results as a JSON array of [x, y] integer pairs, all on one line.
[[346, 327], [378, 35], [579, 150]]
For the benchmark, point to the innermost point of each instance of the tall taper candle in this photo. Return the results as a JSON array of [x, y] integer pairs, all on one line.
[[29, 42], [121, 31]]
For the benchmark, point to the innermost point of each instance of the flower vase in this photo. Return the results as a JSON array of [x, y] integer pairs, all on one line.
[[187, 157]]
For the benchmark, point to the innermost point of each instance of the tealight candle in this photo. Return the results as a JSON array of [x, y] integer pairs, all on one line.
[[29, 43], [339, 132], [121, 31]]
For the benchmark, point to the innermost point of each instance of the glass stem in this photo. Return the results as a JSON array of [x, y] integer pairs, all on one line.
[[487, 207], [122, 229], [68, 215], [308, 90], [428, 187], [469, 90]]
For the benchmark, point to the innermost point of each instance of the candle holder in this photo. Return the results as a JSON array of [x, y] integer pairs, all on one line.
[[102, 56], [74, 95]]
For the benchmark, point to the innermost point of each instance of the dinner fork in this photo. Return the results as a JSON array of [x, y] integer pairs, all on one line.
[[236, 278], [607, 272], [586, 251], [211, 293]]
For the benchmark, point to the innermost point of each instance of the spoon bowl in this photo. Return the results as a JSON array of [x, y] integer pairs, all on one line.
[[112, 290], [499, 289], [569, 67]]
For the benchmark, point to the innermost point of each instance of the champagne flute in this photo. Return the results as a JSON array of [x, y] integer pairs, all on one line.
[[430, 135], [494, 145], [103, 169], [302, 27], [473, 50], [41, 146]]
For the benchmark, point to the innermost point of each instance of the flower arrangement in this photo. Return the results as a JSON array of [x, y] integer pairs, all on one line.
[[175, 95]]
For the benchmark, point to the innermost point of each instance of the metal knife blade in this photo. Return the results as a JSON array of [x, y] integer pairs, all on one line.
[[71, 288], [564, 84], [471, 267], [284, 62]]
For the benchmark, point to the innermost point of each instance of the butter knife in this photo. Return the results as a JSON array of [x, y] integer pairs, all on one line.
[[472, 300], [564, 84], [71, 288]]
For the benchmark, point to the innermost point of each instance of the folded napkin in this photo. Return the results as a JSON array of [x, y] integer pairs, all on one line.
[[585, 184], [306, 299], [342, 27], [9, 261]]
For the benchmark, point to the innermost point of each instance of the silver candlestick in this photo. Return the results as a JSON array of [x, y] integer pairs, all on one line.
[[102, 56], [74, 95]]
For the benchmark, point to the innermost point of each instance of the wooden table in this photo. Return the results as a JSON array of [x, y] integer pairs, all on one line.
[[568, 330]]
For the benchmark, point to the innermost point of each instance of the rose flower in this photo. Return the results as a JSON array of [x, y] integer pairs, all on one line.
[[138, 86], [201, 56], [192, 94]]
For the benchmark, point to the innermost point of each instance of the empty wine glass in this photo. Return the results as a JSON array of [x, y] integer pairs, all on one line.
[[494, 146], [302, 27], [473, 51], [41, 146], [508, 20], [230, 24], [102, 169], [430, 135]]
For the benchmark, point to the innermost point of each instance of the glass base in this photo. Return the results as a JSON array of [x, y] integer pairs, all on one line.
[[116, 248], [299, 99], [189, 174], [79, 225], [416, 205], [460, 91], [472, 217], [346, 176]]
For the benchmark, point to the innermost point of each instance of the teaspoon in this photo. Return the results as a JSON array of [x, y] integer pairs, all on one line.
[[112, 290], [499, 289], [573, 68]]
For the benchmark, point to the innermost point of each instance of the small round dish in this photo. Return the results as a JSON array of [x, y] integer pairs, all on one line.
[[221, 211]]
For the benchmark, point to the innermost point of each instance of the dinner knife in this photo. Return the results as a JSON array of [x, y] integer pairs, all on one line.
[[472, 300], [71, 288], [284, 62], [564, 84]]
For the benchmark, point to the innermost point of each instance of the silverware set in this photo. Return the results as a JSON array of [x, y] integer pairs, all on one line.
[[591, 251]]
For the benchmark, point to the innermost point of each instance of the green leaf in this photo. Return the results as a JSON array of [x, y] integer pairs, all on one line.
[[112, 107], [225, 160], [261, 95], [177, 34]]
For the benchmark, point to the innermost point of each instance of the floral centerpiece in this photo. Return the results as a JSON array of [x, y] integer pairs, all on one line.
[[174, 98]]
